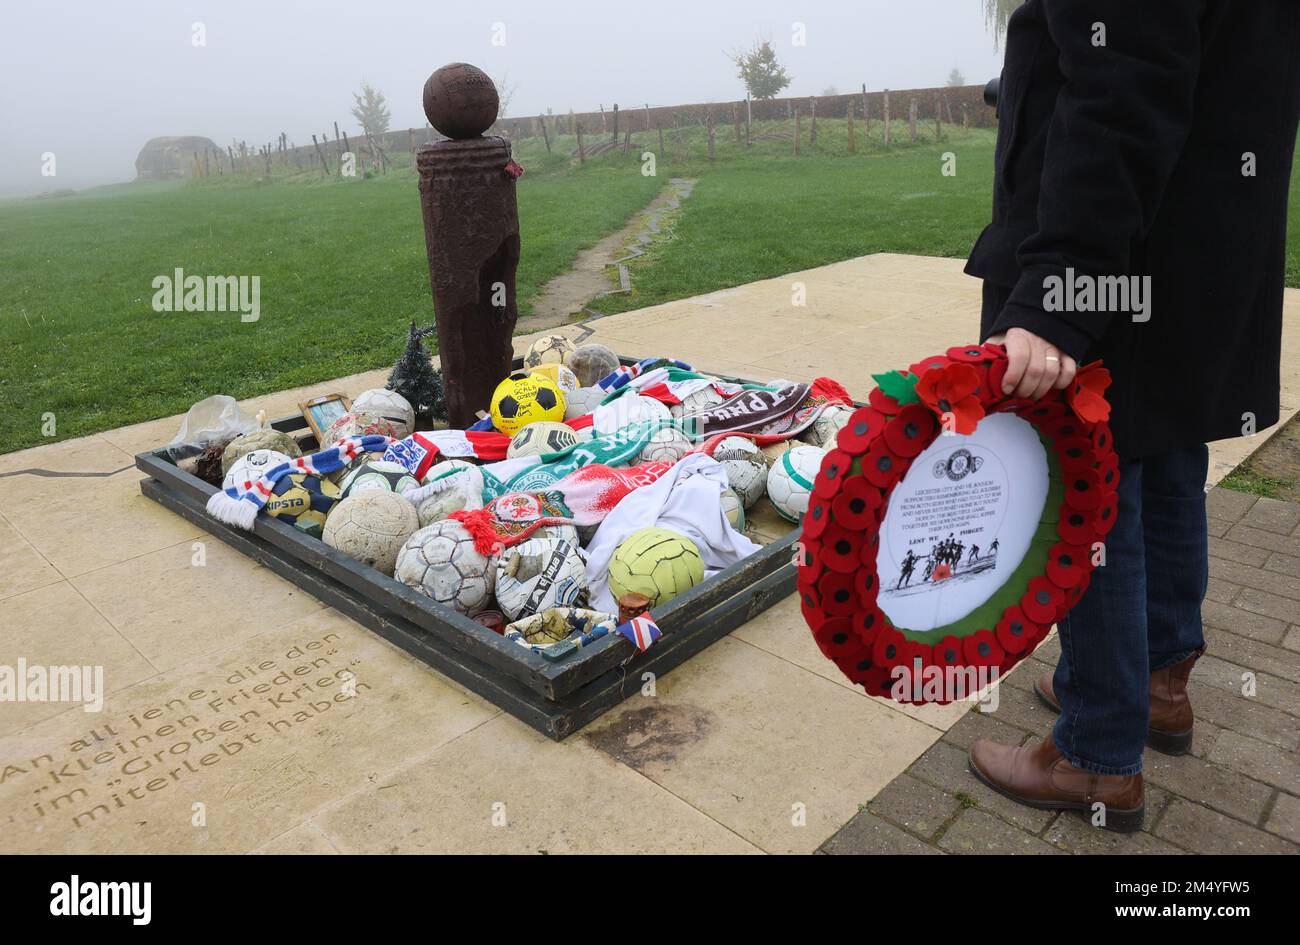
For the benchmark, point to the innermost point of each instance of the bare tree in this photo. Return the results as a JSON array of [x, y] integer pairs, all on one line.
[[996, 14], [505, 92]]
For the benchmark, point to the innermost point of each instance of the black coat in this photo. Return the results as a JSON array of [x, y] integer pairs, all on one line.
[[1166, 152]]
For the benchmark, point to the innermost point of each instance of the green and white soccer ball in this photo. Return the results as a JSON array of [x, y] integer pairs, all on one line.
[[745, 466], [390, 405], [545, 436], [630, 408], [552, 349], [826, 427], [441, 562], [733, 508], [442, 466], [378, 474], [655, 562], [667, 445], [538, 574], [371, 526], [251, 467], [790, 480]]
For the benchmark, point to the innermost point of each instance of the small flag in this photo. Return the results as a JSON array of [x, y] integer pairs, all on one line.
[[641, 630]]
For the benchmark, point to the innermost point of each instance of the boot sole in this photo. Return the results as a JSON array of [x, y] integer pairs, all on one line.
[[1167, 743], [1117, 821]]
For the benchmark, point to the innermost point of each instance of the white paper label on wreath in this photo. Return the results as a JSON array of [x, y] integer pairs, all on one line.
[[960, 522]]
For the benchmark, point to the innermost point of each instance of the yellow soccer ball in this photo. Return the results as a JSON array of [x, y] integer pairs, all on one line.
[[519, 401], [655, 562]]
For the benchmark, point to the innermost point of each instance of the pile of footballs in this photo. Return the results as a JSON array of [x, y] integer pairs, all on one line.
[[588, 480]]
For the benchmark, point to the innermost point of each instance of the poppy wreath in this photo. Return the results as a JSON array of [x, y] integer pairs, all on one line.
[[837, 576]]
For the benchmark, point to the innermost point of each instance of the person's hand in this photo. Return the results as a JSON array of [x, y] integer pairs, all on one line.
[[1034, 365]]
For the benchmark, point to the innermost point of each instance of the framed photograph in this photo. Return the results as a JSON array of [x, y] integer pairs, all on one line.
[[320, 412]]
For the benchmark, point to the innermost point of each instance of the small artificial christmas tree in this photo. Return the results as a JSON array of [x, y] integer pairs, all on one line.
[[416, 379]]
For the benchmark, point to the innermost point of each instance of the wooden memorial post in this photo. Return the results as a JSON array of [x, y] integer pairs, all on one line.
[[471, 231]]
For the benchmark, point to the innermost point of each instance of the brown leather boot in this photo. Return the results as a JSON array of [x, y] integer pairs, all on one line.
[[1040, 777], [1169, 724]]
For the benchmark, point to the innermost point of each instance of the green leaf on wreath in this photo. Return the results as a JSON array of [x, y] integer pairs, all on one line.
[[898, 385]]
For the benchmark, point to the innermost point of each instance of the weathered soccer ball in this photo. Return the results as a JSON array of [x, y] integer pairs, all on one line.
[[563, 378], [552, 349], [260, 439], [591, 363], [389, 404], [655, 562], [733, 508], [702, 399], [378, 474], [303, 500], [667, 445], [251, 467], [540, 573], [537, 439], [827, 426], [557, 532], [519, 401], [630, 408], [441, 562], [371, 526], [338, 475], [582, 401], [790, 480], [441, 467], [774, 451], [356, 423], [745, 467], [461, 100]]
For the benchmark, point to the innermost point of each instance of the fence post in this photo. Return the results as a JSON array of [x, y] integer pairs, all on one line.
[[318, 154], [614, 136], [661, 142], [582, 157], [735, 119], [798, 129], [709, 120], [866, 115], [886, 117], [647, 116], [938, 118], [749, 118], [812, 111], [545, 136], [911, 118], [852, 144]]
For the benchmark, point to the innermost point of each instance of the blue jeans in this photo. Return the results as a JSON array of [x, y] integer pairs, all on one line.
[[1142, 612]]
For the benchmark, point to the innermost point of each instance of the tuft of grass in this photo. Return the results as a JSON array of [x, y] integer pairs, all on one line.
[[1245, 479]]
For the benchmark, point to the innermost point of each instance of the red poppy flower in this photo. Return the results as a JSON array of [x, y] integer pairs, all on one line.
[[1014, 631], [1066, 565], [1074, 454], [970, 353], [835, 466], [869, 624], [835, 637], [839, 549], [981, 648], [816, 518], [889, 647], [875, 680], [1043, 601], [870, 544], [996, 351], [882, 402], [936, 362], [1040, 412], [838, 597], [947, 652], [1063, 429], [1082, 489], [882, 466], [1086, 395], [863, 427], [1104, 518], [1108, 472], [1101, 437], [951, 390], [1075, 527], [857, 505], [997, 372], [866, 584], [911, 431]]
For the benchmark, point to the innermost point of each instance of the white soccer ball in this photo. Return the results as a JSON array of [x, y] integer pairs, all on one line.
[[667, 445], [630, 408], [582, 402], [540, 438], [251, 467], [441, 562], [733, 508], [790, 480], [551, 349], [383, 475], [745, 467], [827, 426], [390, 405], [538, 574], [371, 526], [442, 466], [557, 532], [702, 399]]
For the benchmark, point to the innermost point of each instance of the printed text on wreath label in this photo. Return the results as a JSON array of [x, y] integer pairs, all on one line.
[[132, 755], [959, 507]]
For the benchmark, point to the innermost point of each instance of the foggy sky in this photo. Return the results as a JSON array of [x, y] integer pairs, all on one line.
[[92, 81]]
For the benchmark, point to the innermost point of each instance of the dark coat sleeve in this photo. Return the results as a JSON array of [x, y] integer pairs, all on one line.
[[1115, 135]]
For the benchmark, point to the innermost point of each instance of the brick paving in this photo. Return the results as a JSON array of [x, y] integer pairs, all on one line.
[[1238, 791]]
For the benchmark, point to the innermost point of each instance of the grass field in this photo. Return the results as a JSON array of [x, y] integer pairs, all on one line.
[[343, 270]]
